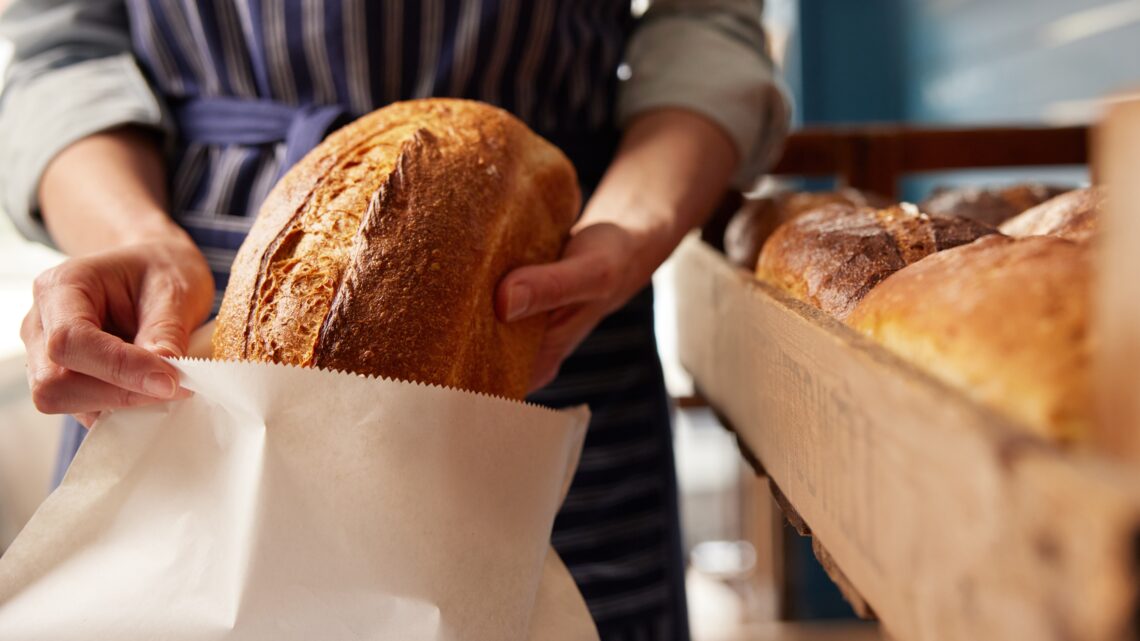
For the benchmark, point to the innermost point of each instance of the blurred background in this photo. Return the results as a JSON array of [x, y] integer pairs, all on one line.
[[935, 62]]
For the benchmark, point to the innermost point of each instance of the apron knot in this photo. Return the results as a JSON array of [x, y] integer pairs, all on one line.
[[243, 121]]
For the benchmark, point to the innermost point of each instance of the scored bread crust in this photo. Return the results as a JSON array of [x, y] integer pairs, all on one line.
[[380, 251], [758, 218], [1005, 320], [831, 257]]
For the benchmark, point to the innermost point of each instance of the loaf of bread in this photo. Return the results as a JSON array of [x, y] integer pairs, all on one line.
[[1073, 216], [831, 257], [379, 253], [989, 206], [757, 218], [1004, 320]]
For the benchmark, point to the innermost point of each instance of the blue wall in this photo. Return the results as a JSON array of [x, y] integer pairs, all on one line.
[[849, 61], [1017, 60], [961, 61]]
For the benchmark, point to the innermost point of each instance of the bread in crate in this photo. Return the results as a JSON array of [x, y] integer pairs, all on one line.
[[758, 217], [379, 253], [1004, 320], [1074, 216], [991, 206], [833, 256]]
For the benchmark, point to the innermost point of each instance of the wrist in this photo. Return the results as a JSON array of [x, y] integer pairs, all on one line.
[[651, 228], [149, 227]]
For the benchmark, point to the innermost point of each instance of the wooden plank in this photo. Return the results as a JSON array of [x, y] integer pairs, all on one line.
[[947, 520], [762, 526], [818, 152], [799, 631], [941, 149], [1118, 303], [861, 608], [875, 157]]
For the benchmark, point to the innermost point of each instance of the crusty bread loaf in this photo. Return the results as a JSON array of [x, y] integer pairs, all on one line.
[[833, 256], [379, 252], [1005, 320], [1073, 216], [758, 218], [989, 206]]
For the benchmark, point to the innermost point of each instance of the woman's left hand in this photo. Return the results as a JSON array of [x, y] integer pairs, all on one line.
[[670, 172], [602, 267]]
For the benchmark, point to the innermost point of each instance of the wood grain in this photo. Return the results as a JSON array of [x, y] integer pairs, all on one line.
[[947, 520]]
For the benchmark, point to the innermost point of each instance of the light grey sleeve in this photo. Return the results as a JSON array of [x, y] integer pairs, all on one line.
[[710, 56], [71, 75]]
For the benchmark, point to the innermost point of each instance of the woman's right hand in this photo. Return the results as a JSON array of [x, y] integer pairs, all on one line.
[[101, 322]]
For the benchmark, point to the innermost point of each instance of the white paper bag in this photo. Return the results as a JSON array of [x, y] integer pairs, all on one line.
[[284, 503]]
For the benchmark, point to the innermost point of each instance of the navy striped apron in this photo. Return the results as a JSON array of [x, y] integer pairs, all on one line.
[[255, 84]]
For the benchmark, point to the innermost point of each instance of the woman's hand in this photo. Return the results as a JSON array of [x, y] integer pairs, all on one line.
[[100, 323], [671, 170], [602, 267], [136, 288]]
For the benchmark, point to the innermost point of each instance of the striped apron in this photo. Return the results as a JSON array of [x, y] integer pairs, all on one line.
[[255, 84]]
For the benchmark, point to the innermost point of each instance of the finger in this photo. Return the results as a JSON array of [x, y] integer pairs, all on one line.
[[73, 340], [56, 390], [562, 337], [37, 366], [164, 328], [535, 289], [87, 419], [72, 393]]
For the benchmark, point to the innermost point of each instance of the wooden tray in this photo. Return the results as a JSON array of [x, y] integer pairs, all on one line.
[[947, 520]]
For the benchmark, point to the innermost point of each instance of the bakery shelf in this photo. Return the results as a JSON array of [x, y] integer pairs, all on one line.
[[935, 514], [942, 517]]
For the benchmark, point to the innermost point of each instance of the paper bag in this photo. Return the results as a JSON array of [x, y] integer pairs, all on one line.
[[285, 503]]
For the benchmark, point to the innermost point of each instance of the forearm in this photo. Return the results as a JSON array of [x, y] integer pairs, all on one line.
[[670, 172], [105, 191], [710, 57]]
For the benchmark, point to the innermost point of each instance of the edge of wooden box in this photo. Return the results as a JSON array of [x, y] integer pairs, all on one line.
[[951, 522]]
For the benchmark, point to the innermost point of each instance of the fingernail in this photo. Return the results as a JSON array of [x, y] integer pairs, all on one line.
[[160, 385], [518, 300]]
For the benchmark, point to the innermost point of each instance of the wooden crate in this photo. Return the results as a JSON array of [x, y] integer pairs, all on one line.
[[875, 157], [939, 515]]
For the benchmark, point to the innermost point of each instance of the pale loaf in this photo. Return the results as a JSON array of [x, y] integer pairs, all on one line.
[[1004, 320], [1073, 216]]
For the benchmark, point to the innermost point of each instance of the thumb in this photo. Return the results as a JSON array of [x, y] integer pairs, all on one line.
[[163, 328], [535, 289]]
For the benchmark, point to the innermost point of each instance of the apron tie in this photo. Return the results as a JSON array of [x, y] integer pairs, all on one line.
[[243, 121]]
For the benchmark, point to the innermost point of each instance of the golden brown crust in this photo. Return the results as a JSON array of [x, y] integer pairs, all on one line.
[[380, 251], [1074, 216], [1005, 320], [758, 218], [989, 206], [832, 257]]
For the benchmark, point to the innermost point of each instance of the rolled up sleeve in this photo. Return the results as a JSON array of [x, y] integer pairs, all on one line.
[[710, 56], [72, 74]]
